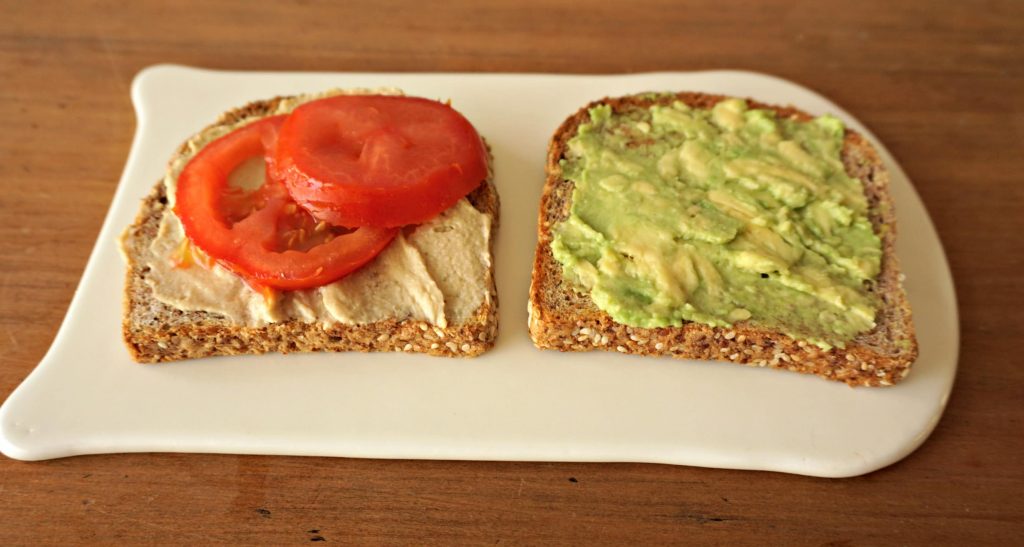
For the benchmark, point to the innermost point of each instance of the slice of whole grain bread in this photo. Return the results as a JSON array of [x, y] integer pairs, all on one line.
[[156, 332], [565, 319]]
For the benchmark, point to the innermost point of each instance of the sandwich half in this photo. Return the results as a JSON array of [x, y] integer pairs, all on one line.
[[699, 226], [431, 290]]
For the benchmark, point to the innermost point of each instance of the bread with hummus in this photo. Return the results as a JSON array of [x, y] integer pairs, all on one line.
[[430, 291], [590, 265]]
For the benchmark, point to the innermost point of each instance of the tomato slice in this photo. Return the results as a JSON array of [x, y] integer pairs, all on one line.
[[374, 160], [261, 234]]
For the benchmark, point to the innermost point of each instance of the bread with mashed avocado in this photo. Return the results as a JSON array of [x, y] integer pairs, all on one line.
[[168, 319], [565, 317]]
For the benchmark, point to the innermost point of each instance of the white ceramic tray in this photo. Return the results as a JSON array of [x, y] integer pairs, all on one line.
[[513, 403]]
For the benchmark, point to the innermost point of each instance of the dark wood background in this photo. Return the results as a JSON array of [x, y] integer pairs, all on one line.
[[939, 82]]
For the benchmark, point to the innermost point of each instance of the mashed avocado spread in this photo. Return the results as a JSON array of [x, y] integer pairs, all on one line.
[[717, 216]]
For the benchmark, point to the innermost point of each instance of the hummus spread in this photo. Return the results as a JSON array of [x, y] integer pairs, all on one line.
[[437, 272]]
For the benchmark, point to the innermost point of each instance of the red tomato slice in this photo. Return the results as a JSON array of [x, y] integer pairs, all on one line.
[[373, 160], [262, 235]]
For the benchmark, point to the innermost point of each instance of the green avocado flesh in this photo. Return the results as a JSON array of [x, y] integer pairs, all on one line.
[[718, 216]]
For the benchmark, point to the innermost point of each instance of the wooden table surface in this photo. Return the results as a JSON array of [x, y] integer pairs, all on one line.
[[940, 83]]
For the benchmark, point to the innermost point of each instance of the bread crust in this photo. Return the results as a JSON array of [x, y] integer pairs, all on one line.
[[564, 319], [155, 332]]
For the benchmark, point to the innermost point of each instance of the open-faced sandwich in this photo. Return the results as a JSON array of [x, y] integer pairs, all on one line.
[[349, 220], [705, 227]]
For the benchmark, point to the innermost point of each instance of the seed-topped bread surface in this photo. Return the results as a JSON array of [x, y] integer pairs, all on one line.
[[155, 331], [564, 318]]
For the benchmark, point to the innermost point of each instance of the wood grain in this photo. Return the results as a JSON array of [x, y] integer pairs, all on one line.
[[939, 83]]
